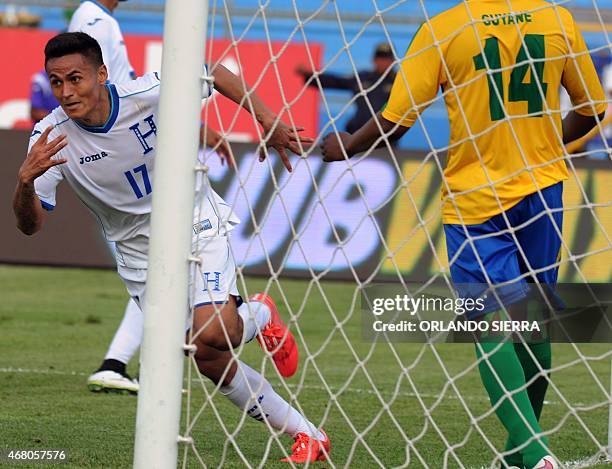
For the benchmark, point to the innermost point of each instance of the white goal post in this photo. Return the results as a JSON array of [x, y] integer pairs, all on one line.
[[166, 303]]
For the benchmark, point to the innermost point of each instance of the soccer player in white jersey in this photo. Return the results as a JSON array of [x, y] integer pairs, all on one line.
[[96, 19], [102, 141]]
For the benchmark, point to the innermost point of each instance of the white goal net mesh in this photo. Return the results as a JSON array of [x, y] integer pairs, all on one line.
[[315, 239]]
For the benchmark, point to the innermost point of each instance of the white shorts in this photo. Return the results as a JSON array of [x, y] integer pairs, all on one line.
[[213, 280]]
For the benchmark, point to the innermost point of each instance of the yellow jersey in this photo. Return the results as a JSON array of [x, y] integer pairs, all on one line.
[[500, 70]]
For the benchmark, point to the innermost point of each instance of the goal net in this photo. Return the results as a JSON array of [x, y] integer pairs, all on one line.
[[326, 239]]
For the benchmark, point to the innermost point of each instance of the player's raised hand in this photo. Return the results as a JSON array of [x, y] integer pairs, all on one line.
[[283, 138], [332, 145], [217, 143], [39, 159]]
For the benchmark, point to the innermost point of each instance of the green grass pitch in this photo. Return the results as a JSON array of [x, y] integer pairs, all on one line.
[[381, 405]]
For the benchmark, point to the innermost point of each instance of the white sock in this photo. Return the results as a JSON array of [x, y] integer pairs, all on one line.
[[252, 393], [255, 316], [128, 336]]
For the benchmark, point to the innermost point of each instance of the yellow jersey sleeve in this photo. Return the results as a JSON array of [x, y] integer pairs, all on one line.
[[580, 78], [416, 83]]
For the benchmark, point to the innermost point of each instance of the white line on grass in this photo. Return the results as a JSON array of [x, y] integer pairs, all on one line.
[[312, 387], [480, 398], [35, 371]]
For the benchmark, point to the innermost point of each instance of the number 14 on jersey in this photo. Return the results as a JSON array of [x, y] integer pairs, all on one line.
[[531, 56]]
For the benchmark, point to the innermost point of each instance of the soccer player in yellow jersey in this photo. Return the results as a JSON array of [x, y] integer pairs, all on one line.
[[499, 65]]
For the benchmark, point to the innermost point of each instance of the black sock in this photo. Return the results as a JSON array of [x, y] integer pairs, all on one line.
[[113, 365]]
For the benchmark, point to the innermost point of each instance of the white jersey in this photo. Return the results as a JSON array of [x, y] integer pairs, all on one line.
[[110, 168], [97, 21]]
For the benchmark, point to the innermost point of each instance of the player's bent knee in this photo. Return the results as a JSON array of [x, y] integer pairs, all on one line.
[[218, 328], [217, 337]]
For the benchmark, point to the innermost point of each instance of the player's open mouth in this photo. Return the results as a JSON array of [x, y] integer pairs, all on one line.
[[71, 105]]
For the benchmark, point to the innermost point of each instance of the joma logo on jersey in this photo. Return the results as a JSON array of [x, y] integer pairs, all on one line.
[[142, 138], [90, 158]]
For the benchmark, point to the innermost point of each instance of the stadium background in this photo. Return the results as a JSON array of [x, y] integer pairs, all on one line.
[[142, 23], [401, 20]]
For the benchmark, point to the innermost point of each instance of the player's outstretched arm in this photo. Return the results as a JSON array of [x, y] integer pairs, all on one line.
[[327, 79], [26, 204], [277, 134], [362, 140]]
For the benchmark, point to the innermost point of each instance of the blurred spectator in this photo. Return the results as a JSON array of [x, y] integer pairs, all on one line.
[[381, 62], [601, 60], [16, 18], [607, 79], [42, 101]]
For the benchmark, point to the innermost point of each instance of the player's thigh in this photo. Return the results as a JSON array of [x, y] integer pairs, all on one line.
[[479, 254], [217, 325], [540, 238], [135, 283], [482, 255], [214, 293]]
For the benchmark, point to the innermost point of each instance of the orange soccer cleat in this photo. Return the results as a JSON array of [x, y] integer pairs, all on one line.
[[308, 449], [277, 339]]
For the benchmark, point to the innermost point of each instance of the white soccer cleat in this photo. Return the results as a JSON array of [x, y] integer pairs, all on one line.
[[547, 462], [111, 381]]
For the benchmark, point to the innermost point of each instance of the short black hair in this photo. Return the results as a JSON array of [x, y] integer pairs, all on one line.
[[74, 43], [383, 50]]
